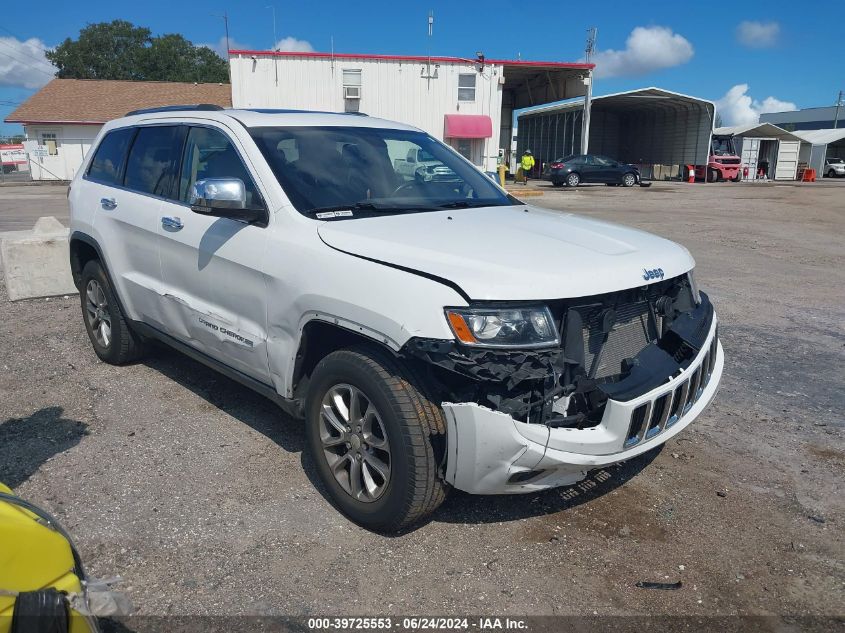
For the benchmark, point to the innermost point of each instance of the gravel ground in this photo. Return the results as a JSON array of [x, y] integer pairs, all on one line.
[[198, 492]]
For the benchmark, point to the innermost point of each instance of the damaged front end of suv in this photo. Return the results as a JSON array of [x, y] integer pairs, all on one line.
[[537, 395]]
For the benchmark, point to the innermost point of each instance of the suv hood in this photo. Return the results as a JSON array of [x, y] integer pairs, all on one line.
[[512, 253]]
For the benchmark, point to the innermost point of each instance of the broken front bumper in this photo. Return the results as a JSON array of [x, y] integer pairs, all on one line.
[[492, 453]]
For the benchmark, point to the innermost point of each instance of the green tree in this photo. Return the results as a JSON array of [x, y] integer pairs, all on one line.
[[173, 58], [121, 50]]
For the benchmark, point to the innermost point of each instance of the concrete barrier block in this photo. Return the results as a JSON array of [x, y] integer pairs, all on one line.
[[37, 263]]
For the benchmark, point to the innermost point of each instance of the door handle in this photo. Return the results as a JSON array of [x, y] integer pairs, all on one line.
[[108, 203], [171, 222]]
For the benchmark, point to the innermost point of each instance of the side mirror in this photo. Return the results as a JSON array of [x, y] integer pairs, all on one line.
[[224, 198]]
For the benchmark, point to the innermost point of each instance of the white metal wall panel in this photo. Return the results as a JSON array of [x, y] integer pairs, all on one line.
[[786, 167], [817, 156], [750, 154], [390, 89]]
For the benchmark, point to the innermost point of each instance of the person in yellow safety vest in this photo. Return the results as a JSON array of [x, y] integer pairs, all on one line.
[[527, 163]]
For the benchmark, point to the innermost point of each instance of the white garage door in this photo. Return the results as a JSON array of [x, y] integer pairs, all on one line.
[[786, 167]]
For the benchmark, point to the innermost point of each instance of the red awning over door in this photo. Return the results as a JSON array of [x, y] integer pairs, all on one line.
[[468, 126]]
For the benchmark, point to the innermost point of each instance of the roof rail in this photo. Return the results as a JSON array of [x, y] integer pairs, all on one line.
[[288, 111], [176, 108]]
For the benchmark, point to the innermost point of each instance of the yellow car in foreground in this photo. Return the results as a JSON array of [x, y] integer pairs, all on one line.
[[41, 575]]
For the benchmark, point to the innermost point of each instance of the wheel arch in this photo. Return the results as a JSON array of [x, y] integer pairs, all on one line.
[[320, 336], [83, 249]]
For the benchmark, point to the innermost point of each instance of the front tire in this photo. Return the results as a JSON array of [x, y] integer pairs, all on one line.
[[113, 341], [712, 175], [573, 180], [376, 438], [629, 180]]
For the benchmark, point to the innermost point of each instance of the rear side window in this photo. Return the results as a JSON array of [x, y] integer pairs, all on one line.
[[154, 160], [107, 165]]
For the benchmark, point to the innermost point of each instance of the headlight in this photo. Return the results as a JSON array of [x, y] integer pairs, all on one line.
[[531, 326], [696, 295]]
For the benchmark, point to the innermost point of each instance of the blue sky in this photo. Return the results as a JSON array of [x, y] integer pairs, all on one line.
[[674, 45]]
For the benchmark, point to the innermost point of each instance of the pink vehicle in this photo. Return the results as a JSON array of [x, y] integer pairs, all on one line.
[[723, 162]]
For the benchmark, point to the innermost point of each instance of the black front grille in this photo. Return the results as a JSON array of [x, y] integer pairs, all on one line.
[[630, 333], [669, 407]]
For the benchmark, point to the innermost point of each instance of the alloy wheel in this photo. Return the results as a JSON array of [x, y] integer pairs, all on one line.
[[355, 443], [97, 310]]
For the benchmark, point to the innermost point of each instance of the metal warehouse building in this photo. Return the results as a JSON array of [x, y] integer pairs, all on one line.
[[824, 118], [654, 128], [466, 102]]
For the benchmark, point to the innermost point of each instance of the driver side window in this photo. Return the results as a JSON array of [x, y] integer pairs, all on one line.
[[210, 154]]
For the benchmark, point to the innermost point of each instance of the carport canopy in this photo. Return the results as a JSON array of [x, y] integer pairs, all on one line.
[[652, 126], [758, 130], [820, 144], [649, 126], [822, 137]]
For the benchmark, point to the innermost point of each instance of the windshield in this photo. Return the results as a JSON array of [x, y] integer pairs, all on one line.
[[325, 169], [835, 160], [723, 146]]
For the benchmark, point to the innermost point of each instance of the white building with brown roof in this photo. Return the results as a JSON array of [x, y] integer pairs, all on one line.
[[65, 116]]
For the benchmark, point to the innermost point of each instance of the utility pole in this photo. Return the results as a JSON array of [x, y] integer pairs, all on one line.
[[839, 104], [588, 97], [275, 43], [427, 74], [225, 17]]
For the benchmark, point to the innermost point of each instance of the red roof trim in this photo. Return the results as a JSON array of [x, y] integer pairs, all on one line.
[[416, 58]]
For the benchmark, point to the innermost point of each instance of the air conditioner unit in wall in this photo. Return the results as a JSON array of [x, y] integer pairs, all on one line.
[[352, 92]]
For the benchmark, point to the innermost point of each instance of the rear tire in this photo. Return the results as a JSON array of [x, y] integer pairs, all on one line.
[[379, 459], [113, 341], [712, 175], [573, 180], [831, 174]]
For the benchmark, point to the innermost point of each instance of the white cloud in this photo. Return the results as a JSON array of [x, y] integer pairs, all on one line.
[[220, 46], [284, 44], [738, 108], [757, 34], [24, 64], [293, 44], [648, 48]]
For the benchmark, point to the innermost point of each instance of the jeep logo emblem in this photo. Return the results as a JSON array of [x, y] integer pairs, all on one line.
[[654, 273]]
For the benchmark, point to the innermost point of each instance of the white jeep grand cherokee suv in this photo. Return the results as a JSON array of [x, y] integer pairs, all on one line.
[[431, 332]]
